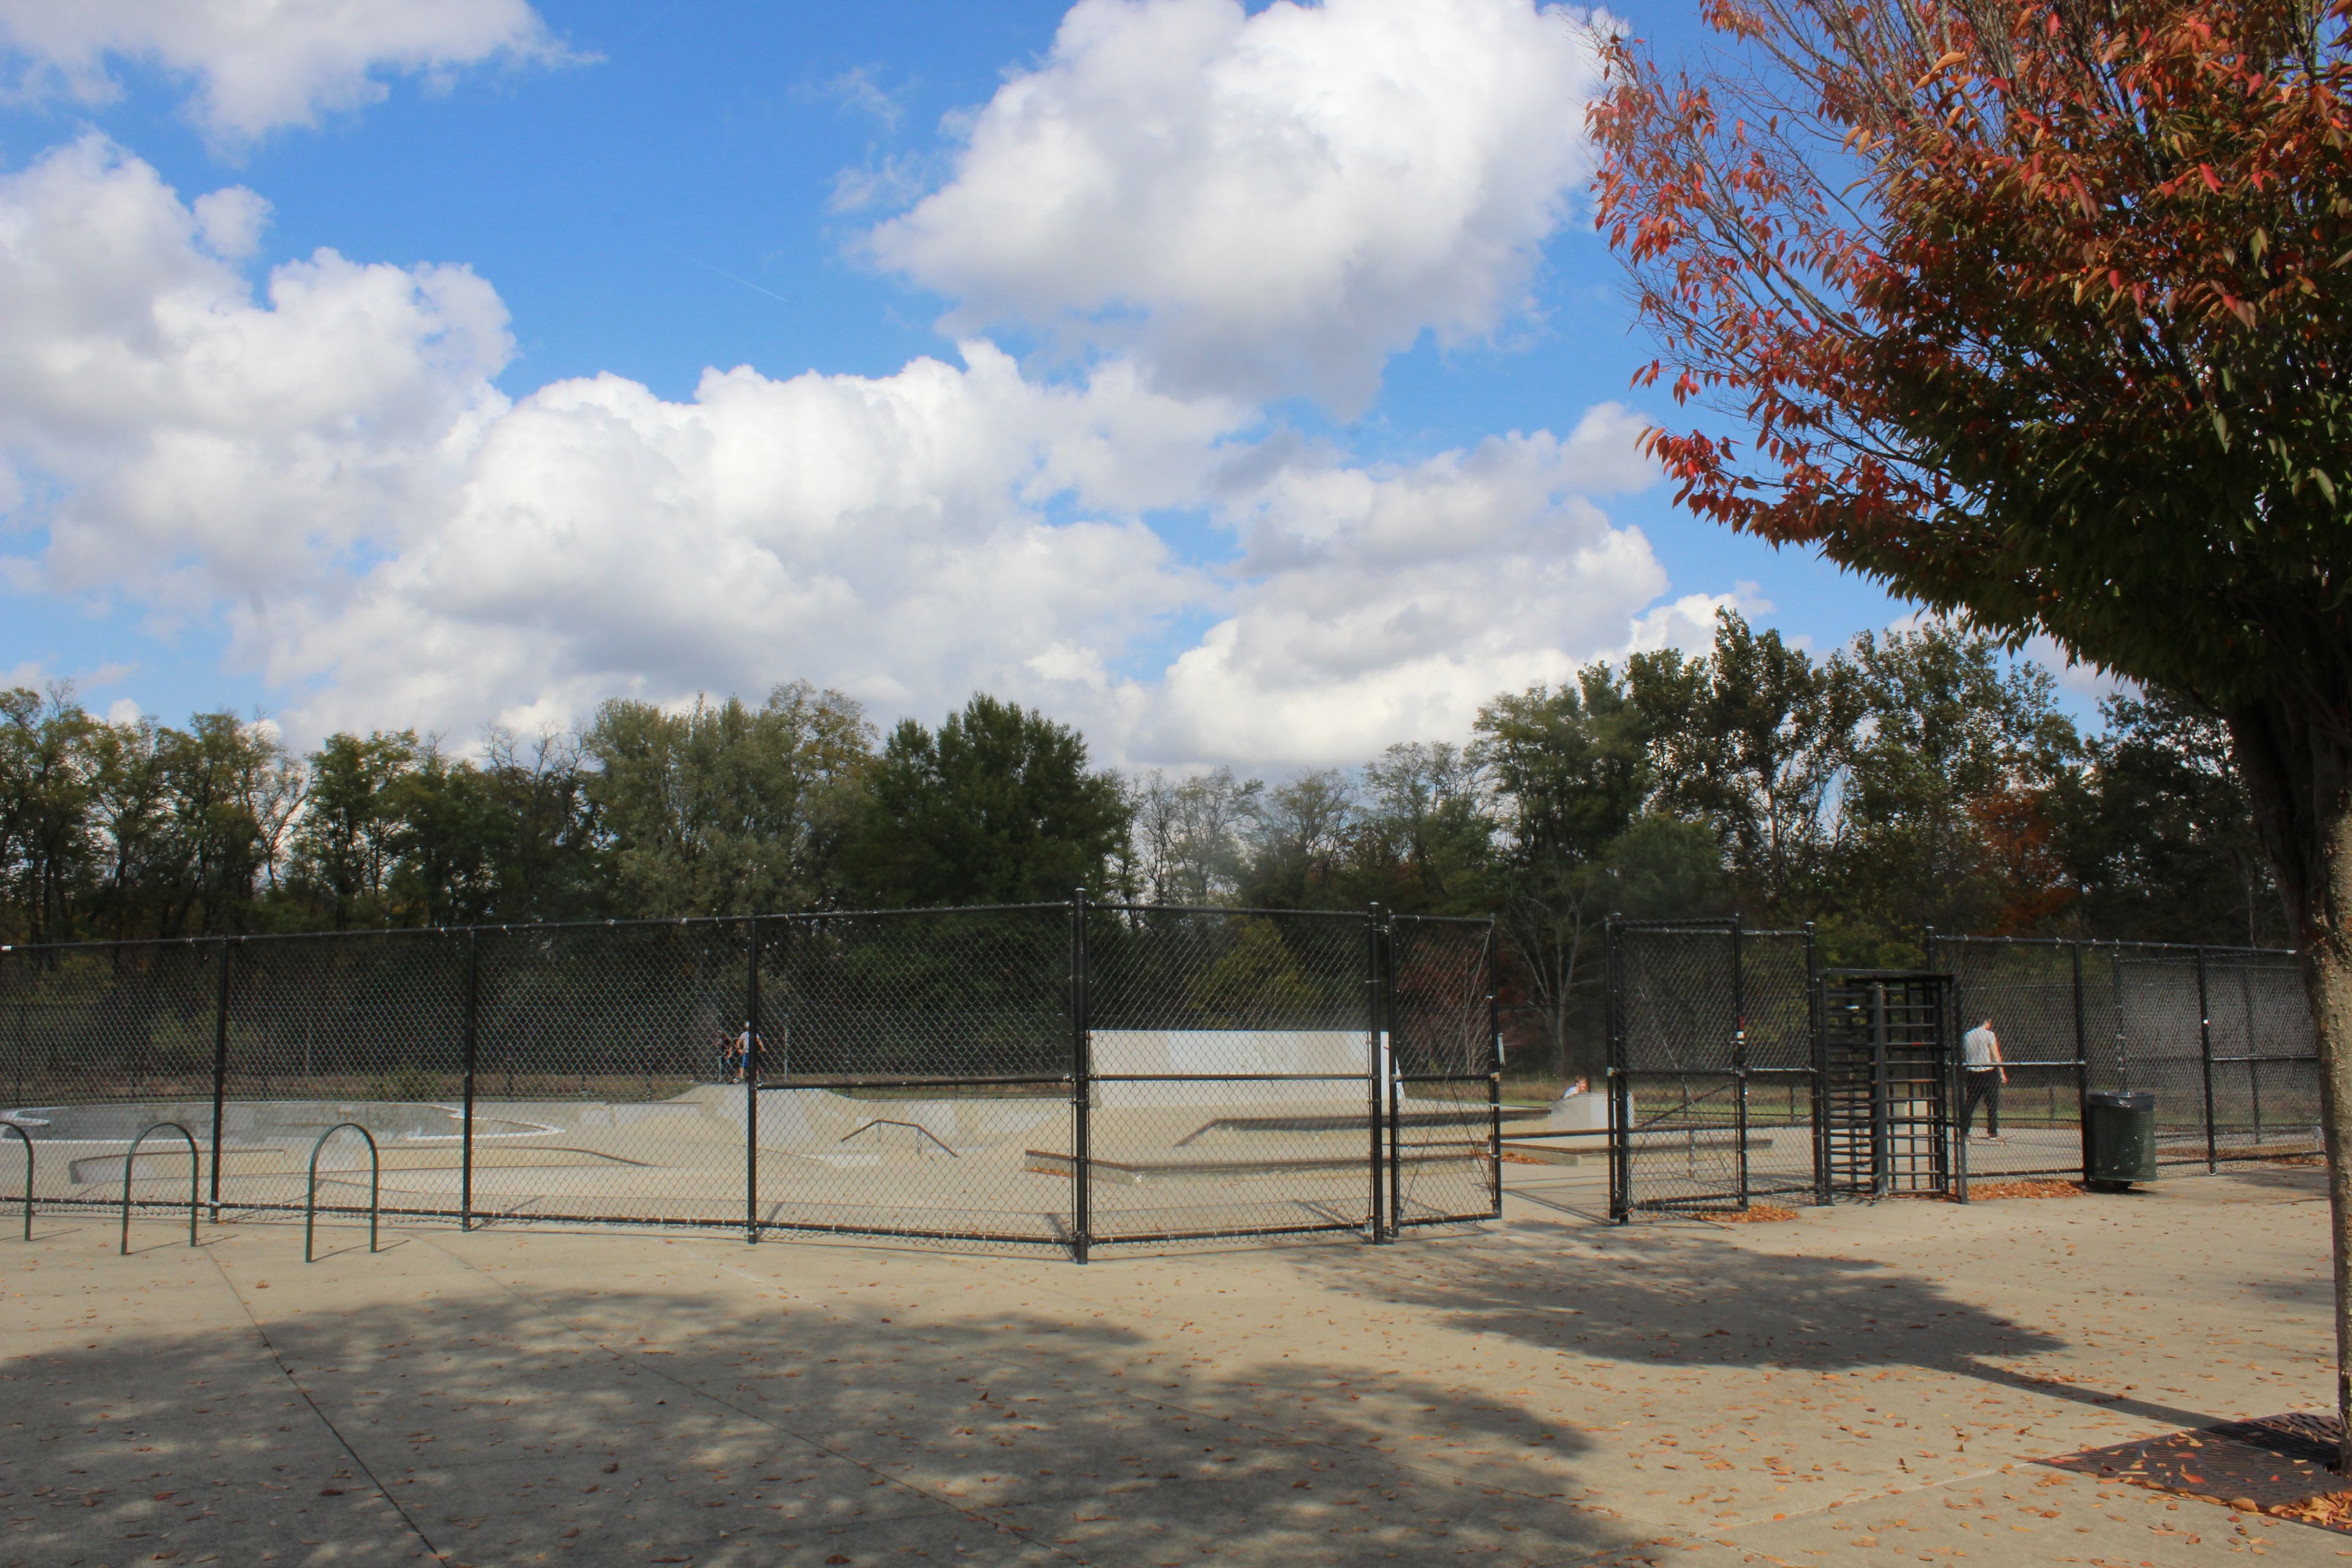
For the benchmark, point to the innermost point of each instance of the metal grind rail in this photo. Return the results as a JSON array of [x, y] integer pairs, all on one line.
[[1065, 1075]]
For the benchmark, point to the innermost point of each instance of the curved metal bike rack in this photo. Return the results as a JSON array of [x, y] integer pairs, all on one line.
[[130, 1163], [375, 1186], [28, 1139]]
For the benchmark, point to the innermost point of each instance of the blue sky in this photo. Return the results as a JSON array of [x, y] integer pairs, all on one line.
[[1273, 451]]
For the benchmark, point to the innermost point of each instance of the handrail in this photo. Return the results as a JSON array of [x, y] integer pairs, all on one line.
[[375, 1186], [130, 1163], [27, 1137], [909, 1126]]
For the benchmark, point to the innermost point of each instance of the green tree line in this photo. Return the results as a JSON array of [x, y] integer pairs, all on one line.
[[1910, 780]]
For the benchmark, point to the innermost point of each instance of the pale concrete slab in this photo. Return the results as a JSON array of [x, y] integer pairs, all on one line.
[[1866, 1384]]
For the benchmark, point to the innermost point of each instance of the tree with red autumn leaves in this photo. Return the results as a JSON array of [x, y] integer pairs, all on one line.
[[2037, 311]]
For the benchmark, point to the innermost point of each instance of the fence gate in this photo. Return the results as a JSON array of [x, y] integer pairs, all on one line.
[[1887, 1083], [1739, 1069]]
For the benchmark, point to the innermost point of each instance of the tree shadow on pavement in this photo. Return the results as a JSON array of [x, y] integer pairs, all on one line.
[[498, 1421], [1679, 1297]]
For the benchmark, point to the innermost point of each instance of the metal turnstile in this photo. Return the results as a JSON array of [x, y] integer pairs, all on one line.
[[1885, 1066]]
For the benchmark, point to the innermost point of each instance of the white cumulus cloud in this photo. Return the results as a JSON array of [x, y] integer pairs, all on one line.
[[1385, 605], [257, 65], [883, 535], [199, 443], [1263, 205], [322, 461]]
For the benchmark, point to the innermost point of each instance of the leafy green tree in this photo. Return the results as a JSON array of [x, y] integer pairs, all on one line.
[[548, 858], [129, 811], [1571, 771], [997, 806], [1299, 837], [225, 779], [726, 808], [443, 841], [1754, 738], [1423, 840], [1961, 754], [49, 853], [348, 840], [2158, 834]]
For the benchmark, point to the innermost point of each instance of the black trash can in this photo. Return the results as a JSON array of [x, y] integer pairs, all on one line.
[[2119, 1140]]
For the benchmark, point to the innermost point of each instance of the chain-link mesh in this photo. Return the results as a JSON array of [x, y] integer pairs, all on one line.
[[2136, 1014], [916, 1075], [2159, 1043], [323, 1031], [1444, 1109], [2026, 991], [1775, 999], [606, 1079], [101, 1042], [1680, 1129], [2265, 1056], [1232, 1062]]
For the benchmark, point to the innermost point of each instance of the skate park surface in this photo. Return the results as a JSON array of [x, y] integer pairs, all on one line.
[[1170, 1153], [1866, 1382]]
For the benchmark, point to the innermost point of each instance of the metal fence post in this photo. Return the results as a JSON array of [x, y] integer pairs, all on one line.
[[1391, 1071], [2082, 1062], [752, 1089], [220, 1069], [1817, 1040], [1621, 1142], [470, 1049], [1376, 1074], [1082, 1086], [1950, 1037], [1494, 966], [2205, 1048], [1882, 1172], [1740, 1054]]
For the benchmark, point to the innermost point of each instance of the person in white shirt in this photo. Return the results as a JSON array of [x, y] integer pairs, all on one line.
[[1984, 1071], [745, 1043]]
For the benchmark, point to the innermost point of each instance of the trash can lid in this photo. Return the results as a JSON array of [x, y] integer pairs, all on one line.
[[2121, 1099]]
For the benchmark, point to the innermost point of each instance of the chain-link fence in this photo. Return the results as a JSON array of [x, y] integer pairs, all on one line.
[[1711, 1083], [1717, 1085], [1063, 1075], [2221, 1036], [1444, 1108]]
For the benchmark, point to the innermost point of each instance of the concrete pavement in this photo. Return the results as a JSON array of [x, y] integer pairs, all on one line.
[[1864, 1383]]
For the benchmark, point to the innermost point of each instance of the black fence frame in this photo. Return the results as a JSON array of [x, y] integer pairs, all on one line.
[[2102, 1057], [1714, 1073], [455, 961]]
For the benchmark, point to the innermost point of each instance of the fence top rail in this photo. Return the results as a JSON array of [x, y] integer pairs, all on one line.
[[642, 923], [2115, 943], [1724, 923], [1133, 909], [1879, 975]]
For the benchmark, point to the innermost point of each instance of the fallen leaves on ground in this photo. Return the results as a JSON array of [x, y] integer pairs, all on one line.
[[1993, 1192], [2332, 1509], [1754, 1213]]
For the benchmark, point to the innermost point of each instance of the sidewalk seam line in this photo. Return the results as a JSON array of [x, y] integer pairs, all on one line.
[[324, 1419]]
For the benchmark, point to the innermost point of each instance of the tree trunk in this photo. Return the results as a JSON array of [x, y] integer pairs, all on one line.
[[2297, 760]]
